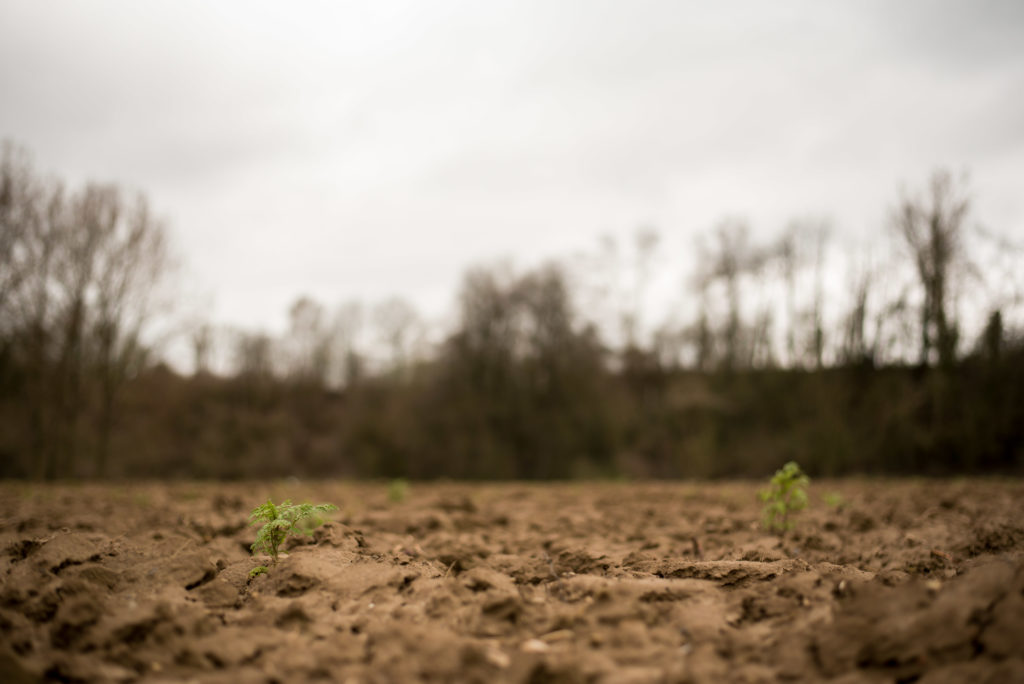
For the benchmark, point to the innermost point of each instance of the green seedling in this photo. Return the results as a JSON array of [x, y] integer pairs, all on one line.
[[398, 489], [284, 519], [833, 499], [786, 496]]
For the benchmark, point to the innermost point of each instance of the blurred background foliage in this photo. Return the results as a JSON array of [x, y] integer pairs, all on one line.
[[912, 365]]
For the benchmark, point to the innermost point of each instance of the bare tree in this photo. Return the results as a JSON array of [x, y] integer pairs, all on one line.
[[310, 339], [545, 318], [645, 246], [727, 263], [819, 233], [788, 258], [31, 213], [253, 356], [19, 218], [130, 260], [613, 281], [79, 271], [856, 347], [933, 228], [399, 329], [201, 339], [346, 329]]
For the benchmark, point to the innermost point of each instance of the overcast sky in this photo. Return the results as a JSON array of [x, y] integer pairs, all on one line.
[[359, 150]]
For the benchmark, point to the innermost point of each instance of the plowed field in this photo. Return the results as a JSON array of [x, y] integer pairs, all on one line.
[[670, 582]]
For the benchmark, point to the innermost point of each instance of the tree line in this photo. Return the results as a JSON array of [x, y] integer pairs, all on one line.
[[77, 286], [908, 362]]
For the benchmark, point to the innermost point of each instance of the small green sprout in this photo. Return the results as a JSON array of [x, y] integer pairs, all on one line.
[[281, 520], [257, 571], [786, 495], [398, 489], [833, 499]]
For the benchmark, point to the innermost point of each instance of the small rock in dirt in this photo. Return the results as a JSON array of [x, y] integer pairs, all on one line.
[[558, 635], [535, 646], [484, 579], [487, 654]]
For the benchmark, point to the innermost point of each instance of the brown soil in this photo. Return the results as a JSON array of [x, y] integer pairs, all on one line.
[[903, 581]]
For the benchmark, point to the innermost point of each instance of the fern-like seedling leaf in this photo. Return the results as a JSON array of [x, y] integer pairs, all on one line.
[[280, 520]]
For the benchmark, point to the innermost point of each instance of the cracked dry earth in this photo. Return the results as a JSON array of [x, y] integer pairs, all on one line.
[[907, 581]]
